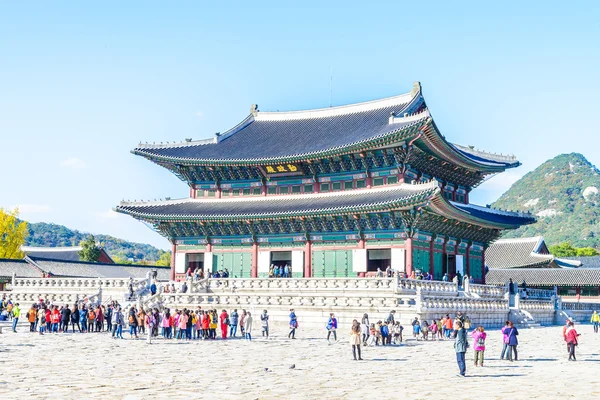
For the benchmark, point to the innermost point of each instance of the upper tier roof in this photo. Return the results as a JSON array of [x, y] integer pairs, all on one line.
[[270, 137], [519, 253]]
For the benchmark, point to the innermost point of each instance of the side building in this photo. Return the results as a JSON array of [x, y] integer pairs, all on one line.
[[335, 192]]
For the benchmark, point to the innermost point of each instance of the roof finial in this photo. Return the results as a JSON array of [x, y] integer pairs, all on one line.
[[416, 88], [254, 109]]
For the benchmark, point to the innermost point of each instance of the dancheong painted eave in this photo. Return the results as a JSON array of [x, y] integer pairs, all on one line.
[[271, 137], [388, 198]]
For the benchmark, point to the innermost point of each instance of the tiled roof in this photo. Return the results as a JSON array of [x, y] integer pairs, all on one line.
[[21, 268], [274, 206], [275, 136], [517, 253], [494, 215], [586, 262], [96, 270], [545, 276], [57, 253]]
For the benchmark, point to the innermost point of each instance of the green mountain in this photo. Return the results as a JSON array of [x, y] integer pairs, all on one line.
[[52, 235], [564, 194]]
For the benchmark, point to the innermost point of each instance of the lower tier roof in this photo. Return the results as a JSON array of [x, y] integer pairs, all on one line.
[[545, 276], [381, 199]]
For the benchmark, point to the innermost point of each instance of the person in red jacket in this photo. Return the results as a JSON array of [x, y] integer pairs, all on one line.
[[572, 341], [55, 318], [224, 320], [205, 324], [49, 320]]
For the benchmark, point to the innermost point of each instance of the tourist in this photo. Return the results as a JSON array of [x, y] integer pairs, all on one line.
[[16, 313], [91, 319], [379, 273], [479, 336], [31, 317], [188, 324], [440, 329], [248, 326], [149, 322], [564, 333], [100, 319], [224, 320], [505, 348], [385, 333], [286, 271], [416, 329], [331, 327], [460, 346], [49, 319], [513, 342], [425, 330], [595, 320], [197, 324], [184, 287], [55, 319], [448, 326], [205, 324], [373, 339], [234, 323], [132, 319], [118, 322], [141, 321], [433, 328], [214, 322], [153, 288], [41, 316], [390, 318], [65, 318], [293, 324], [108, 317], [83, 317], [445, 278], [264, 322], [365, 328], [572, 336], [165, 324], [397, 332], [355, 339]]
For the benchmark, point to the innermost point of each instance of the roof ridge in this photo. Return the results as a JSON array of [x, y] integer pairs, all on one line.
[[94, 263]]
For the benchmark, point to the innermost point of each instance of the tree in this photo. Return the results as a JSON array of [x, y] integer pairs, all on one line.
[[164, 260], [13, 233], [586, 252], [90, 251], [564, 249]]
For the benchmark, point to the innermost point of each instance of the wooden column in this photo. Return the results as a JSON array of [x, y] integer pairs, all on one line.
[[192, 192], [172, 273], [369, 182], [431, 258], [308, 259], [408, 249], [219, 192], [483, 266], [254, 270], [361, 245], [467, 262], [264, 190]]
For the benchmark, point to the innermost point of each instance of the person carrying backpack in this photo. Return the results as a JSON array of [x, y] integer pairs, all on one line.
[[479, 336], [224, 320], [331, 327]]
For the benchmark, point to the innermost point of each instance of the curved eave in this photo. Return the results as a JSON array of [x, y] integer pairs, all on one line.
[[419, 198], [393, 135], [441, 206], [433, 141]]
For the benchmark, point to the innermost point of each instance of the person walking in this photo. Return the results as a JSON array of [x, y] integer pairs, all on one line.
[[248, 326], [234, 323], [479, 336], [16, 312], [595, 320], [224, 320], [149, 322], [331, 327], [293, 324], [264, 322], [572, 340], [513, 342], [460, 346], [32, 317], [355, 339]]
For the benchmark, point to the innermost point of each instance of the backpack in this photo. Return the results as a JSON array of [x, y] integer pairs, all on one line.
[[227, 321], [131, 319], [91, 315], [481, 341]]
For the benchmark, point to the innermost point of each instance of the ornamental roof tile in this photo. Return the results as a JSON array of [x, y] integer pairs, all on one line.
[[545, 276], [21, 268], [518, 253], [265, 137], [82, 269], [495, 215], [274, 206], [586, 262]]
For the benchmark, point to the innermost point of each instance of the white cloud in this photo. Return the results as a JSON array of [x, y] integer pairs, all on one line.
[[107, 215], [33, 208], [199, 114], [73, 162]]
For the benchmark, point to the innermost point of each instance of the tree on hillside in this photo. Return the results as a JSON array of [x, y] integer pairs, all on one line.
[[90, 251], [12, 234], [164, 260], [566, 249]]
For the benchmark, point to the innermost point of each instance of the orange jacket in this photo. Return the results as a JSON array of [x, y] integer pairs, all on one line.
[[448, 323], [31, 315]]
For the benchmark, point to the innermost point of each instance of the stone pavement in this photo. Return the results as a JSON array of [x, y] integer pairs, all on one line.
[[94, 366]]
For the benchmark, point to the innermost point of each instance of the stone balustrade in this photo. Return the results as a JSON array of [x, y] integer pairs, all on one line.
[[28, 298], [580, 306], [537, 305], [487, 290], [74, 284], [464, 304], [540, 293], [298, 284], [411, 285]]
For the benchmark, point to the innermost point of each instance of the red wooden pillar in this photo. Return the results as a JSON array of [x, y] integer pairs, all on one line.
[[173, 250], [219, 193], [483, 266], [408, 249], [264, 190], [254, 269], [308, 259], [361, 245], [192, 192], [369, 182]]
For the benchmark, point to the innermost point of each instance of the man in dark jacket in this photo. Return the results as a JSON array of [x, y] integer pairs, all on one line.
[[460, 346], [65, 318]]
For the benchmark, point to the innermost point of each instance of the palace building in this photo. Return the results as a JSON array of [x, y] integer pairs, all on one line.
[[333, 192]]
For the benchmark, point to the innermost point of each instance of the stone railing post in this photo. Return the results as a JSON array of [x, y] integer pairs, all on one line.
[[419, 300], [13, 279]]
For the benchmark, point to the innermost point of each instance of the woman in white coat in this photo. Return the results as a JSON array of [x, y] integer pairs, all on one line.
[[248, 326]]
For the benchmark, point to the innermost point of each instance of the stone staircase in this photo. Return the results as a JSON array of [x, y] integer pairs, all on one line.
[[523, 320]]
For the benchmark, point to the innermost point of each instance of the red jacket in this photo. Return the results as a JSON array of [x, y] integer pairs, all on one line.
[[48, 315], [55, 317], [205, 322], [572, 336], [223, 317]]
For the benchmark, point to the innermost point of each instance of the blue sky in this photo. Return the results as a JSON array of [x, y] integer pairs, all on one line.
[[82, 83]]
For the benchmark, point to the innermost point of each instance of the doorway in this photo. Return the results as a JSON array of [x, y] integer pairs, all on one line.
[[378, 259], [279, 259]]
